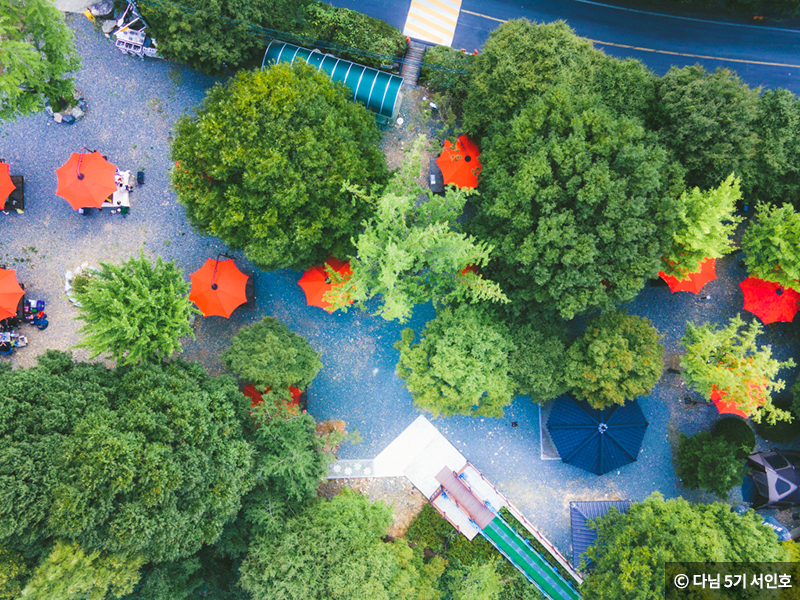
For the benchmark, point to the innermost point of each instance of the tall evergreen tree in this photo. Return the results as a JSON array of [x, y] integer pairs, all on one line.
[[135, 311], [772, 245], [728, 360]]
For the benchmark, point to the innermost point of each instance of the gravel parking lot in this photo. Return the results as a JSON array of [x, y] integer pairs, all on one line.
[[132, 106]]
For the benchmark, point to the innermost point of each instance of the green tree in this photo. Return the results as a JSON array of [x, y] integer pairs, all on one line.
[[460, 364], [216, 36], [144, 460], [627, 86], [706, 222], [334, 549], [578, 204], [538, 360], [522, 60], [478, 582], [778, 160], [446, 71], [707, 120], [262, 165], [136, 311], [709, 462], [269, 354], [618, 358], [412, 252], [728, 360], [631, 549], [36, 52], [772, 244], [69, 573], [13, 573]]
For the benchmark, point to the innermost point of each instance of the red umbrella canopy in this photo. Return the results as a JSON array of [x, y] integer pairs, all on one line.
[[10, 293], [218, 287], [769, 301], [257, 397], [459, 163], [6, 186], [692, 282], [730, 408], [86, 180], [315, 282]]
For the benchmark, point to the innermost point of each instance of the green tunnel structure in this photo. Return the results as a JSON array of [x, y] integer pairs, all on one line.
[[378, 91], [508, 542]]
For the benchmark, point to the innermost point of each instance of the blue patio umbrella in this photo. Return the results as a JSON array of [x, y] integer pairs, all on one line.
[[593, 439]]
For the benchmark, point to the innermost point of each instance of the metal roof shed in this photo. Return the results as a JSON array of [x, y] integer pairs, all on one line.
[[378, 91]]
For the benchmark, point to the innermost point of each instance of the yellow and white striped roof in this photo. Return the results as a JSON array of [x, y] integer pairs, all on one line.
[[433, 20]]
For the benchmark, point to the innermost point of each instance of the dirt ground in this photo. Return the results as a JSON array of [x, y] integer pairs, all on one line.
[[397, 492]]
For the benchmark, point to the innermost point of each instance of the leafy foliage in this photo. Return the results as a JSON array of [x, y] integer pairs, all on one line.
[[538, 360], [262, 165], [707, 120], [520, 62], [460, 364], [349, 28], [333, 549], [215, 36], [578, 203], [409, 254], [269, 354], [69, 573], [631, 549], [13, 573], [478, 582], [736, 432], [727, 359], [627, 86], [772, 244], [143, 460], [446, 79], [782, 432], [619, 358], [706, 222], [36, 51], [778, 160], [135, 312], [709, 462]]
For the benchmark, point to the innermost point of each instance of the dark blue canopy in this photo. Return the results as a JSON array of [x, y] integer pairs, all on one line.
[[596, 440]]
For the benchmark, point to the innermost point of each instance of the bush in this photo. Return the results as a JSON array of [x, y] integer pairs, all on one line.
[[345, 27], [782, 432], [738, 432], [447, 81], [709, 462], [539, 361]]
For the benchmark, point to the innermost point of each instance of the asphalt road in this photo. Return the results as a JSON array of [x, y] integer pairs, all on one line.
[[765, 55]]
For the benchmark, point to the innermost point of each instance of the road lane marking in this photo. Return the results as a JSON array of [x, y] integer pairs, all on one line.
[[433, 20], [668, 52]]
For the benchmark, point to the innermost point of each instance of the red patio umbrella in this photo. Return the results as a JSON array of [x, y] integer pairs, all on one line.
[[86, 180], [10, 293], [6, 185], [692, 282], [725, 408], [258, 397], [218, 287], [769, 301], [459, 163], [315, 282]]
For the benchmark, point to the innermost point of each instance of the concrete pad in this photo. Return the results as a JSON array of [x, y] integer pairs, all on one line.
[[394, 459], [426, 465]]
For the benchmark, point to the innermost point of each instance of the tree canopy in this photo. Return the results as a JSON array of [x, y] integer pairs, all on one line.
[[579, 204], [709, 462], [413, 251], [728, 360], [263, 163], [538, 360], [707, 120], [215, 36], [706, 222], [135, 311], [631, 549], [772, 245], [36, 52], [460, 365], [334, 549], [145, 460], [618, 358], [269, 354]]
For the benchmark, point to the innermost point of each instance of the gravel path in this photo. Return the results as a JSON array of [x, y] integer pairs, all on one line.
[[132, 105]]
